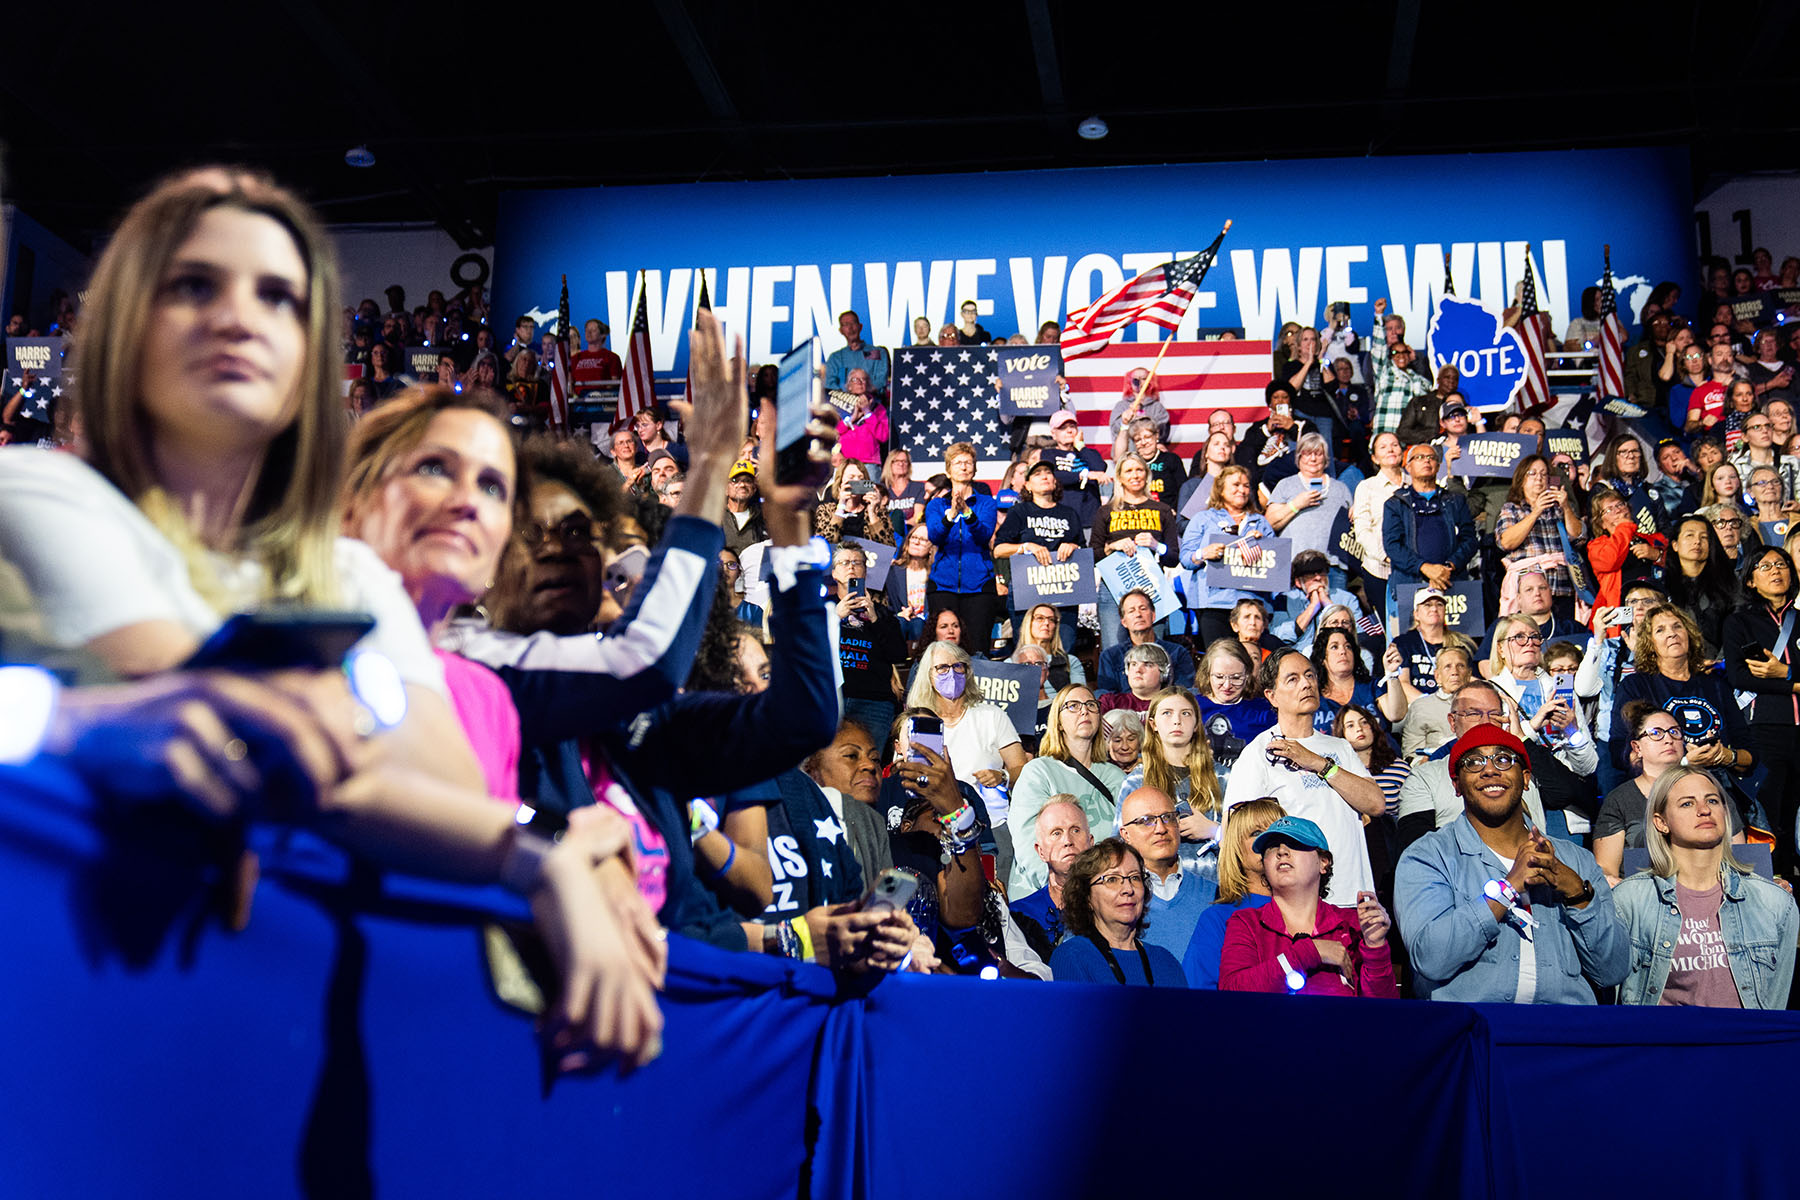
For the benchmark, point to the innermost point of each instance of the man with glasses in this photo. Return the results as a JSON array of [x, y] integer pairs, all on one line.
[[1759, 450], [1150, 825], [1427, 530], [1428, 798], [1310, 774], [743, 523], [1494, 911]]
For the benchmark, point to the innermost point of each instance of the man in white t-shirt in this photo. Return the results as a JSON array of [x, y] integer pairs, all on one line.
[[1312, 775]]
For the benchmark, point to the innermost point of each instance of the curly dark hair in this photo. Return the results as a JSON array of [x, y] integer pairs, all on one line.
[[1078, 907], [574, 466], [716, 662]]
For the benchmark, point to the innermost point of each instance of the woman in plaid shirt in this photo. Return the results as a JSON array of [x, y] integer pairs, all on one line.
[[1532, 521]]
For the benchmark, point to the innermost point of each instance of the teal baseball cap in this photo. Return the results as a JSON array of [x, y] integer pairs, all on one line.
[[1297, 830]]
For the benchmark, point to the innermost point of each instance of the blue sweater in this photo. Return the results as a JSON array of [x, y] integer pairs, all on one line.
[[1171, 922], [1077, 960], [1207, 946], [964, 564]]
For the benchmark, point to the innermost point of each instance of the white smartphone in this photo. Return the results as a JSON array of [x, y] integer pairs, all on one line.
[[894, 889]]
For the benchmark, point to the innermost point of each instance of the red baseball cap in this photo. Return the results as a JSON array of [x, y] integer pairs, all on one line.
[[1486, 735]]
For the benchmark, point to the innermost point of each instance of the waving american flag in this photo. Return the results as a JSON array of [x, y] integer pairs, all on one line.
[[1160, 296]]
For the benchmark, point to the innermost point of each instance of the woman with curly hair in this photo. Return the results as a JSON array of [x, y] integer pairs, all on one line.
[[849, 513], [1104, 904]]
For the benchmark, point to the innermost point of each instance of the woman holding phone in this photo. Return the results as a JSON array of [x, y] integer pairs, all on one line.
[[209, 391], [1538, 519], [1762, 645]]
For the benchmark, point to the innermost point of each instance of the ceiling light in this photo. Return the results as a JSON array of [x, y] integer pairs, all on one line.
[[1092, 128], [361, 156]]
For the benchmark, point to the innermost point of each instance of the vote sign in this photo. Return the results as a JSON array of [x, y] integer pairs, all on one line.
[[1028, 381], [1252, 565], [1492, 454], [1490, 357]]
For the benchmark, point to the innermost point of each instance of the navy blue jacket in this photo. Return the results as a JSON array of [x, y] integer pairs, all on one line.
[[1400, 533]]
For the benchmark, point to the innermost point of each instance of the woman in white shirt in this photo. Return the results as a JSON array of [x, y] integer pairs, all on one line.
[[1366, 507], [209, 380]]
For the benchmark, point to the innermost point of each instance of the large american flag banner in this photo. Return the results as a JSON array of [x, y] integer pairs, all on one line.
[[1160, 296], [945, 394], [1195, 378], [1534, 396], [639, 389], [1612, 337]]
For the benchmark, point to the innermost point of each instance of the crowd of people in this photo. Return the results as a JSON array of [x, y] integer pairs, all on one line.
[[653, 688]]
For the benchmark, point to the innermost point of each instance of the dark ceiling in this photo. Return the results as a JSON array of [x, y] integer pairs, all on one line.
[[459, 107]]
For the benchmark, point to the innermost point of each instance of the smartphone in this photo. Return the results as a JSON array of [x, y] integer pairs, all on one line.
[[1317, 485], [856, 589], [626, 568], [800, 459], [859, 487], [926, 731], [1751, 652], [316, 639], [894, 889]]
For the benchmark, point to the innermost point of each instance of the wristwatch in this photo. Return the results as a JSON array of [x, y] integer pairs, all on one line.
[[1587, 894]]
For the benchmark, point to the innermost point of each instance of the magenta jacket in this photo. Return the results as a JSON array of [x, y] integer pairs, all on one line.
[[1254, 936], [863, 442]]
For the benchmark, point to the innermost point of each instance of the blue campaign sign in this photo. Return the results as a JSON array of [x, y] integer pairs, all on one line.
[[1566, 441], [1468, 335], [1464, 612], [1014, 687], [1061, 583], [43, 356], [1252, 565], [878, 557], [783, 258], [1494, 455], [1028, 381]]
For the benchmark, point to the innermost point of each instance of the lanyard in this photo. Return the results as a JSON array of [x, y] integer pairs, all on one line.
[[1118, 972]]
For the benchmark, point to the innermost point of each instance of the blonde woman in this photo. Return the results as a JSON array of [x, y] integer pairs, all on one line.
[[1241, 885], [1690, 946], [852, 514], [1068, 762]]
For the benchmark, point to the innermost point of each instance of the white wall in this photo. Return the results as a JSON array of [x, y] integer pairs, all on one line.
[[418, 258]]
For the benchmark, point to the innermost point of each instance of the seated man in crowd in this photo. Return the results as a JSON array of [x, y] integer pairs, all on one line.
[[1137, 612], [1427, 723], [1492, 910], [1149, 824], [1062, 837], [1428, 798], [1310, 774], [1308, 599]]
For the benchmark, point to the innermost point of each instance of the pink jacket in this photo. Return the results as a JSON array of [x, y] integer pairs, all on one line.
[[1254, 936], [863, 442]]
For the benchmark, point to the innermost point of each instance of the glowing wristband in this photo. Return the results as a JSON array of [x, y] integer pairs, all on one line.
[[805, 934], [1295, 980], [1502, 893], [28, 698], [375, 682]]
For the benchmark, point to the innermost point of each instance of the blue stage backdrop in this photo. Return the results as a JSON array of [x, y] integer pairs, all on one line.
[[783, 259]]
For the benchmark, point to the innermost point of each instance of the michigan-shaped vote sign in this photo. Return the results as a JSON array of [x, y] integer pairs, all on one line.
[[1492, 454], [1028, 380], [1251, 565], [1138, 571], [1490, 357], [1070, 581]]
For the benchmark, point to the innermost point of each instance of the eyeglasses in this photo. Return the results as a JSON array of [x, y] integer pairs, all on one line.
[[1133, 878], [1228, 680], [1526, 639], [1501, 760], [1150, 821], [950, 669], [1771, 562], [1081, 706], [1757, 427], [1664, 733], [1729, 523], [1474, 716], [731, 567], [575, 532], [1765, 483]]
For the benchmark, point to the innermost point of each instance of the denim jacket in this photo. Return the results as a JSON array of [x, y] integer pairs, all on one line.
[[1460, 952], [1758, 921], [1400, 534]]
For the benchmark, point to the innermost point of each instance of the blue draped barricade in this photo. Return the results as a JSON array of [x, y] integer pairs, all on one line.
[[351, 1042]]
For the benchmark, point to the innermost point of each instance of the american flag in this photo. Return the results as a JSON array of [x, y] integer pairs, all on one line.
[[559, 365], [1535, 395], [1160, 296], [1194, 378], [943, 395], [639, 390], [1612, 337]]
